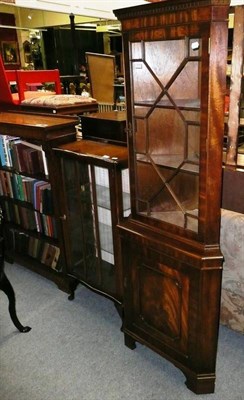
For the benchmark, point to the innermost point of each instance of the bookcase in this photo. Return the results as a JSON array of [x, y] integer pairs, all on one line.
[[175, 73], [95, 197], [29, 189]]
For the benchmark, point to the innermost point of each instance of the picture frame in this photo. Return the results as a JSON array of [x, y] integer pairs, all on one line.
[[10, 52], [27, 52]]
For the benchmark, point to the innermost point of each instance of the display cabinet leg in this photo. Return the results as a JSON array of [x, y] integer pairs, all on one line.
[[71, 296], [129, 342], [73, 286]]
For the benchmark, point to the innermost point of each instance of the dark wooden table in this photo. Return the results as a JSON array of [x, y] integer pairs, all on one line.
[[71, 109]]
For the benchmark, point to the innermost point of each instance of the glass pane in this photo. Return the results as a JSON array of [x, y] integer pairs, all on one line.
[[79, 217], [165, 85], [104, 214], [104, 229], [126, 192]]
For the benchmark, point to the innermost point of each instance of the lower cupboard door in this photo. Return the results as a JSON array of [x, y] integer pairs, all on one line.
[[160, 301]]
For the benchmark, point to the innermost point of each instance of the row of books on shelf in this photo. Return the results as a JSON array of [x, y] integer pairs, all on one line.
[[29, 219], [23, 156], [28, 189], [44, 252]]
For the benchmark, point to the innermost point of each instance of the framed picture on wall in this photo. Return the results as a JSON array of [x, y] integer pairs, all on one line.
[[27, 52], [10, 52]]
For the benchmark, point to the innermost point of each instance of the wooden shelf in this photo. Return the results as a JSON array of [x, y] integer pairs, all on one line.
[[182, 104], [172, 161]]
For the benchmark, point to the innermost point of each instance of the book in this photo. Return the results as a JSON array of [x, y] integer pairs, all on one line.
[[1, 188], [7, 146], [21, 242], [28, 188], [34, 163], [14, 186], [3, 183], [42, 155], [55, 258], [38, 221], [44, 252], [2, 152], [5, 141], [36, 192], [52, 256], [45, 198], [19, 162], [9, 185], [20, 187], [44, 224], [16, 212], [6, 183], [30, 246], [6, 211]]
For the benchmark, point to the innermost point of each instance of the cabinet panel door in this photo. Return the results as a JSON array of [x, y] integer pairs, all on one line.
[[159, 289]]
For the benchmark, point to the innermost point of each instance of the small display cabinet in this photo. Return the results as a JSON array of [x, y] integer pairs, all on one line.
[[175, 66], [96, 196]]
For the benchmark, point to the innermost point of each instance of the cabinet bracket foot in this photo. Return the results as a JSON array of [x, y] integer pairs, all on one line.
[[129, 342], [200, 384]]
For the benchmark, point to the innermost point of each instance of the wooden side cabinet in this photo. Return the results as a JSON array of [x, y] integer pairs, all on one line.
[[29, 189], [175, 66], [95, 197]]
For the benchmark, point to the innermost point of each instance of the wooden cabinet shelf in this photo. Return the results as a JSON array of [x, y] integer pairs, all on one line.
[[182, 104], [190, 164]]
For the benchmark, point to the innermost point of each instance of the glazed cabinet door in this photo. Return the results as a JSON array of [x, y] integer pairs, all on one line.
[[175, 65], [165, 85], [94, 198], [81, 245]]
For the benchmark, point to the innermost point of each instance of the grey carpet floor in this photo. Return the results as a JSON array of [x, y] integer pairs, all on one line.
[[75, 351]]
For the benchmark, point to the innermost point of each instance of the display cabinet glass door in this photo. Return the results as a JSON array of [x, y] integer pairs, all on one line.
[[90, 222], [165, 84]]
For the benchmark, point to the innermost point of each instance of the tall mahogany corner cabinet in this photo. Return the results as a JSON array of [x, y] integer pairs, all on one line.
[[175, 71]]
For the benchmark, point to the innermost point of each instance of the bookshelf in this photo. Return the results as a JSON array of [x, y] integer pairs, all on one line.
[[29, 189]]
